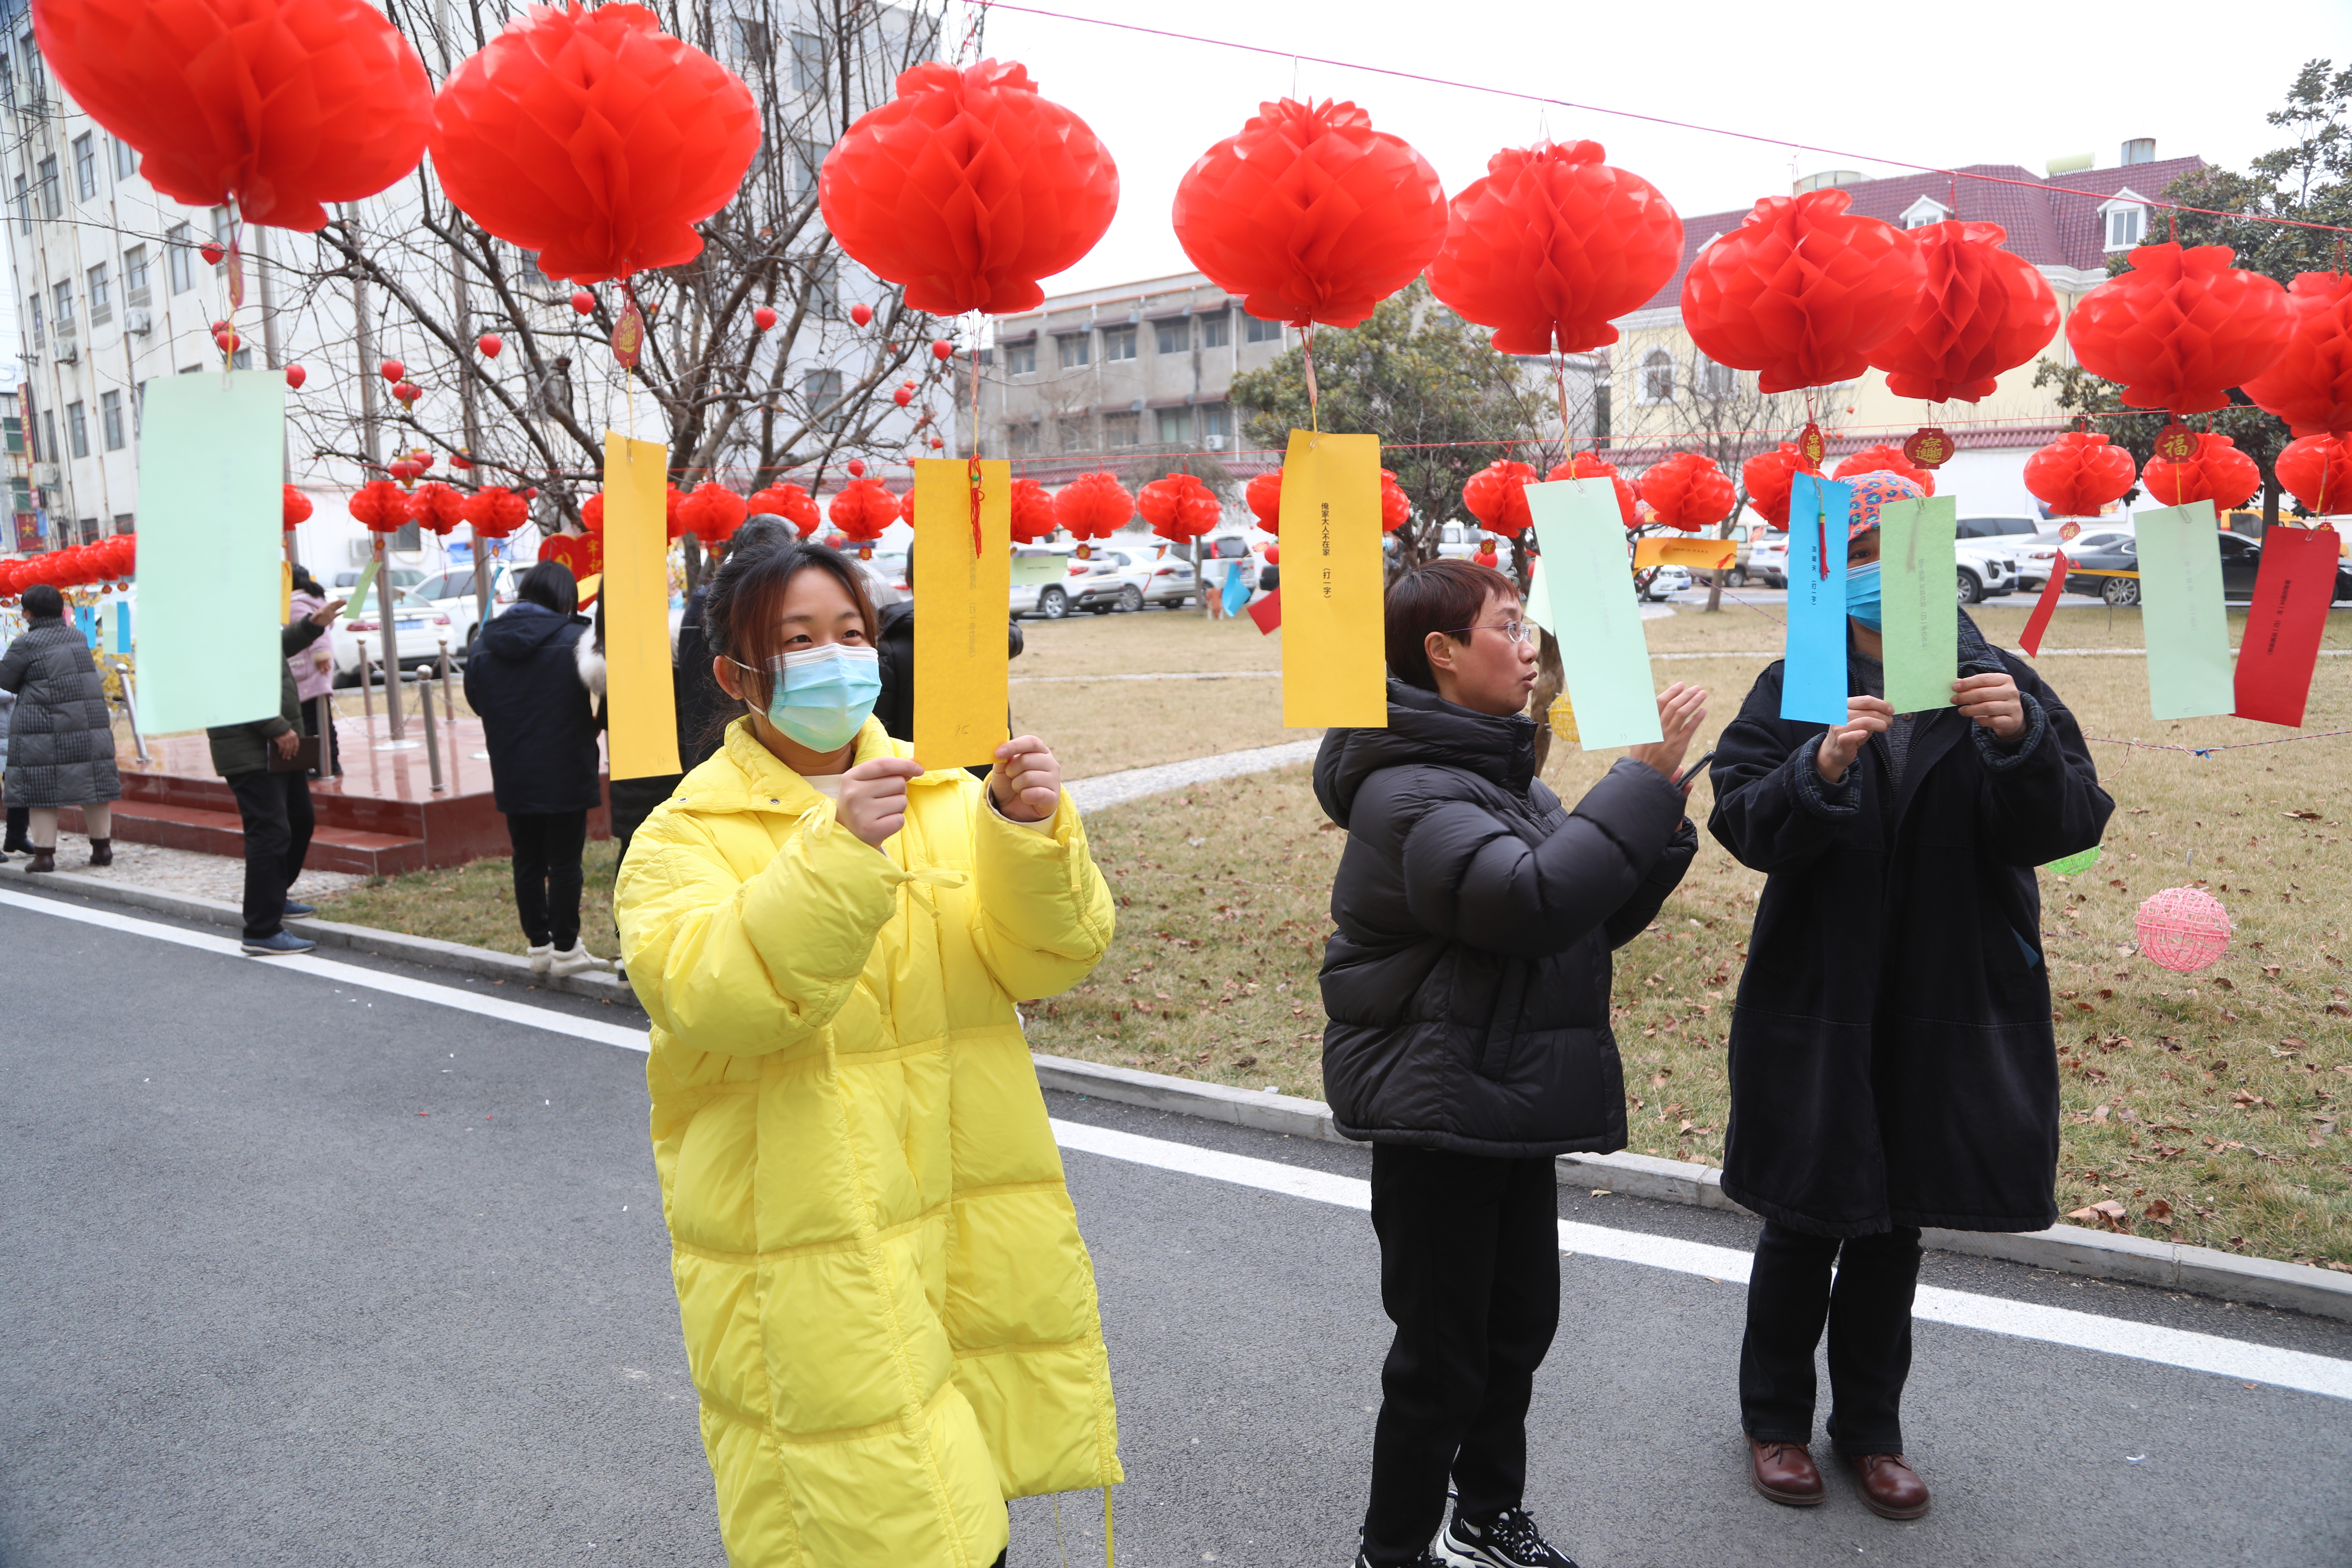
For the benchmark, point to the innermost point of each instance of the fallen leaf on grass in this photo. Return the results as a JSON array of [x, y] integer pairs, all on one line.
[[2106, 1212], [2158, 1209]]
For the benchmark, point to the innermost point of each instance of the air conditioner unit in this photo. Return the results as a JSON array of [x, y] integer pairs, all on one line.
[[138, 321], [1213, 443], [69, 351], [45, 476]]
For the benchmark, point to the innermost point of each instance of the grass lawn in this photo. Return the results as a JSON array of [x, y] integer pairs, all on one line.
[[474, 903], [1101, 726]]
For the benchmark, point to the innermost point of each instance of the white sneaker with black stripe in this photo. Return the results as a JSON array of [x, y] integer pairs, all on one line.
[[1509, 1540]]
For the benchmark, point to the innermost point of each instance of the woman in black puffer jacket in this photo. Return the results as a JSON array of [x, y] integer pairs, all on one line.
[[60, 739], [1467, 989]]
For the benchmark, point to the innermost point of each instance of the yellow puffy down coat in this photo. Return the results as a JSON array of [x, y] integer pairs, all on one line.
[[888, 1312]]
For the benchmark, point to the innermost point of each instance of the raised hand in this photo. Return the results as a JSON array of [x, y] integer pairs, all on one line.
[[1681, 711], [874, 797], [1026, 783], [1840, 743], [1992, 700]]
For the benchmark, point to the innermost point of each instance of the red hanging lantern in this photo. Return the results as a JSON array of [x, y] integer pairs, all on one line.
[[391, 370], [788, 501], [295, 376], [226, 342], [1093, 506], [1803, 291], [1310, 214], [408, 471], [1585, 465], [1496, 495], [278, 107], [380, 507], [1767, 475], [583, 302], [1982, 310], [907, 507], [1487, 556], [2079, 473], [437, 508], [489, 343], [1179, 507], [408, 392], [1264, 496], [857, 467], [594, 138], [762, 317], [296, 508], [1885, 459], [861, 313], [496, 512], [968, 187], [901, 396], [2309, 386], [1688, 492], [1553, 245], [1396, 507], [592, 514], [674, 513], [712, 512], [862, 509], [943, 351], [2317, 472], [1274, 554], [1032, 512], [2181, 327], [2217, 472]]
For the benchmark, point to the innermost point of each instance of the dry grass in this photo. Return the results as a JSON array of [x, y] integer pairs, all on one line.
[[474, 903]]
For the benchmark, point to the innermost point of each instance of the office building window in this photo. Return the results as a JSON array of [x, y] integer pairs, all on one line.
[[1175, 337], [24, 204], [809, 158], [1020, 359], [1261, 332], [824, 274], [109, 419], [62, 297], [822, 390], [102, 295], [88, 529], [2123, 226], [49, 449], [1073, 350], [221, 237], [77, 430], [1074, 432], [1215, 421], [134, 276], [1021, 439], [751, 40], [7, 78], [178, 245], [1118, 342], [1118, 430], [1657, 376], [1175, 426], [242, 358], [126, 160], [52, 199], [1216, 331], [40, 336], [85, 156], [124, 522], [808, 62], [527, 269], [35, 84]]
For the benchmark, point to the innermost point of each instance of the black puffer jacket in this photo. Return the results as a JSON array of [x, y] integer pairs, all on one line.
[[60, 743], [1468, 986], [524, 682]]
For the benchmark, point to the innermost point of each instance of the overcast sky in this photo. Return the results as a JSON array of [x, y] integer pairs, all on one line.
[[1997, 81]]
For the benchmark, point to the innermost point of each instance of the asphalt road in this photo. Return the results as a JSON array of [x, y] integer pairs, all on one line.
[[259, 1310]]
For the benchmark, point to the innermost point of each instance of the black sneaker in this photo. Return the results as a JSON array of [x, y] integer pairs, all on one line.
[[1509, 1540], [295, 912], [280, 945], [1428, 1559]]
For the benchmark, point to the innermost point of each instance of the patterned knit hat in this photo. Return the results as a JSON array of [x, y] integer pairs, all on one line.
[[1871, 491]]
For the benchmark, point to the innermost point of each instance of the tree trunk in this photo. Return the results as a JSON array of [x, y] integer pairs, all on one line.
[[1550, 681], [1715, 574]]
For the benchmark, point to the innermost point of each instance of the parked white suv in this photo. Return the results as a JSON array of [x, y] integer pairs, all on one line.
[[1987, 568]]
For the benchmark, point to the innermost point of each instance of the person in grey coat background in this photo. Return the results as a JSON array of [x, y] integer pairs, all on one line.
[[60, 739], [17, 816]]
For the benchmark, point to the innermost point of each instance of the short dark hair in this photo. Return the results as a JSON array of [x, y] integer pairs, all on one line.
[[551, 587], [43, 602], [739, 618], [1437, 596]]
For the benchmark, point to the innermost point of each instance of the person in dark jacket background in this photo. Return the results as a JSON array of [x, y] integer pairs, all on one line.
[[1892, 1060], [1467, 989], [894, 650], [19, 817], [60, 739], [275, 804], [526, 685]]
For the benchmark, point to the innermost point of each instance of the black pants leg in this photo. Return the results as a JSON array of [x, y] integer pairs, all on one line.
[[1867, 1312], [1470, 1275], [547, 876], [331, 764], [301, 821], [266, 804], [18, 817], [527, 831]]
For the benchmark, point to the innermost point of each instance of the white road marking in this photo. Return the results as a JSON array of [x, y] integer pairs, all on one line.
[[350, 974], [2297, 1370]]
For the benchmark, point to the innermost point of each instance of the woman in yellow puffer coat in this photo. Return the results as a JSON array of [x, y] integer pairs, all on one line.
[[888, 1312]]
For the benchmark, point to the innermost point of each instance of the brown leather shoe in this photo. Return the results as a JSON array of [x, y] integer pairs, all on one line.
[[44, 860], [1785, 1472], [1888, 1485], [101, 851]]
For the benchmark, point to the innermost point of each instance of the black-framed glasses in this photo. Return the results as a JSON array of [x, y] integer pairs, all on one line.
[[1513, 631]]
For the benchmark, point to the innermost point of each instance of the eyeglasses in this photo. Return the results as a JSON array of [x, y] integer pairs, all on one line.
[[1513, 631]]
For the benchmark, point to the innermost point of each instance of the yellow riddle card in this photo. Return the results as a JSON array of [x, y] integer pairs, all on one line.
[[966, 598], [1334, 656], [641, 705], [1698, 554]]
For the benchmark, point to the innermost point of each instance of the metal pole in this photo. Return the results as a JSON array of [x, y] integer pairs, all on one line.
[[372, 447], [129, 707], [432, 740], [367, 693], [322, 707]]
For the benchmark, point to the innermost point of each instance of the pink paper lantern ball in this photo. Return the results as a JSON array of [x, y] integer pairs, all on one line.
[[2182, 928]]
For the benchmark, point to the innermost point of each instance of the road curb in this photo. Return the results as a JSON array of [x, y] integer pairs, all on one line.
[[2062, 1248]]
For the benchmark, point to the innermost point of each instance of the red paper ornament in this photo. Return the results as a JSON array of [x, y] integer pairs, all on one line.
[[937, 443], [2317, 472], [2079, 473], [1310, 214], [943, 350], [968, 187], [1688, 492], [436, 507], [380, 507], [1585, 465], [277, 106], [857, 467], [901, 396], [592, 514], [408, 392], [1396, 507], [1487, 556], [226, 342], [1803, 291], [2309, 386], [489, 343], [496, 512], [1552, 245], [1496, 495], [1178, 507], [862, 509], [1093, 506], [393, 370], [461, 461], [298, 508], [1767, 475], [296, 376], [907, 507], [594, 138], [2181, 327], [1032, 512], [788, 501], [1982, 310], [404, 470], [583, 301], [2219, 472], [861, 313], [1264, 497], [1885, 459], [1274, 554], [762, 317], [712, 512]]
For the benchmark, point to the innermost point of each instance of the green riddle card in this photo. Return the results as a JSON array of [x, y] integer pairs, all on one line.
[[2181, 616], [1595, 618], [1920, 619]]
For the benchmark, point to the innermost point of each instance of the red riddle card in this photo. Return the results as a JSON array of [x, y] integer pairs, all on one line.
[[2291, 592]]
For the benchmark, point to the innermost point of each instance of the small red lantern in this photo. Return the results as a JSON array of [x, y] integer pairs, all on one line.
[[226, 342], [937, 443], [788, 501], [1263, 498], [212, 251], [2181, 327], [1688, 492], [489, 343], [583, 301], [1885, 459], [2079, 473], [762, 317], [862, 509], [1093, 506], [861, 313], [857, 467], [1032, 512], [1274, 554], [1982, 310], [1179, 507], [298, 508], [943, 350], [496, 512], [1585, 465], [1396, 507], [1487, 556], [2317, 472], [380, 507], [712, 512], [2217, 472], [437, 508], [295, 376], [408, 392], [1496, 495], [2310, 383], [1803, 291], [1767, 476], [393, 370], [902, 397]]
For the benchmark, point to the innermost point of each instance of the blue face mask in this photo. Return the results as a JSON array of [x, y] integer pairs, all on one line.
[[820, 697], [1862, 593]]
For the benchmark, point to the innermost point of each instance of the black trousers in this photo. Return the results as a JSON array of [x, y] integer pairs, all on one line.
[[547, 849], [331, 765], [1470, 1275], [278, 823], [19, 817], [1868, 1313]]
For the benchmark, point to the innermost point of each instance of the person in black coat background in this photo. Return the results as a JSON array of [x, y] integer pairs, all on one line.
[[525, 684], [273, 801], [894, 651], [1892, 1060], [1467, 990], [60, 738]]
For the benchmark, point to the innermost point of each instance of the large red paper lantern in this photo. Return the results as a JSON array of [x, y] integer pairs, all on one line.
[[1982, 310], [790, 502], [1585, 465], [1310, 214], [380, 507], [295, 507], [712, 512], [2181, 327], [594, 138], [437, 507], [496, 512], [1768, 475], [2317, 472], [1396, 507], [862, 509], [1264, 494], [1178, 507], [2217, 472], [968, 187], [1552, 245], [2309, 386], [1688, 492], [1885, 459], [278, 106], [1093, 506], [1496, 495], [1803, 291], [2079, 473], [1032, 512]]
